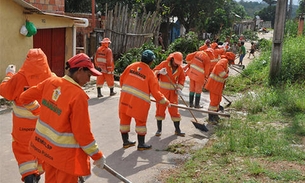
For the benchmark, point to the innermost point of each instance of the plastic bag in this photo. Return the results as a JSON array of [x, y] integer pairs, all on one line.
[[23, 30], [31, 28]]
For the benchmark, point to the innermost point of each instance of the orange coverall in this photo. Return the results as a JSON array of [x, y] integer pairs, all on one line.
[[177, 78], [216, 83], [34, 70], [104, 60], [137, 81], [63, 137], [217, 53], [198, 71]]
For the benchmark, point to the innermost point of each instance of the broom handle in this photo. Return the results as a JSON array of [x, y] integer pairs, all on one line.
[[181, 98], [116, 174], [194, 109]]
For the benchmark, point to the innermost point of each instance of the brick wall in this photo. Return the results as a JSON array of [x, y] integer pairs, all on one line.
[[51, 6]]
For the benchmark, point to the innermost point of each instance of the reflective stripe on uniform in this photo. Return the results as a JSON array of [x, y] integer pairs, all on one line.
[[27, 167], [217, 78], [214, 60], [55, 137], [222, 74], [141, 129], [136, 92], [166, 85], [124, 128], [103, 60], [91, 148], [199, 69], [22, 112]]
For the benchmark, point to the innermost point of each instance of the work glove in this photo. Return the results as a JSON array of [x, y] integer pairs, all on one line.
[[168, 103], [163, 71], [179, 92], [100, 162], [10, 69]]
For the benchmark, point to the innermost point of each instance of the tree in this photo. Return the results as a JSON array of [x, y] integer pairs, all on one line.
[[270, 2], [77, 6]]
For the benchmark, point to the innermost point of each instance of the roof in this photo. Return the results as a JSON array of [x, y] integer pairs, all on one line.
[[32, 9]]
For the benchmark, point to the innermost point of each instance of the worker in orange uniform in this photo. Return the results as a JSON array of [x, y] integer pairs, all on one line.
[[34, 70], [138, 82], [171, 80], [198, 70], [216, 82], [63, 137], [207, 44], [104, 62], [217, 51]]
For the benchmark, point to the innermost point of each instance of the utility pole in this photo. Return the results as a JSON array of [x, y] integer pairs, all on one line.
[[278, 36]]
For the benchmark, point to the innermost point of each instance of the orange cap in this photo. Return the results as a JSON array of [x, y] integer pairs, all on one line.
[[178, 57], [230, 56], [106, 40]]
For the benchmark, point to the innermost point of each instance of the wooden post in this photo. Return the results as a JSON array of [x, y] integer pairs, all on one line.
[[278, 35], [93, 14], [301, 25]]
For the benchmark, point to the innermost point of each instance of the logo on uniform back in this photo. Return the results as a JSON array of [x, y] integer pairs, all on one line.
[[56, 94]]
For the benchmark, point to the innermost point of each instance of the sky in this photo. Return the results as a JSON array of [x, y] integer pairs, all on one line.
[[295, 2]]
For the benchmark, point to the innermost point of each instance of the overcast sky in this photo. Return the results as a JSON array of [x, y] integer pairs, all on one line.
[[295, 2]]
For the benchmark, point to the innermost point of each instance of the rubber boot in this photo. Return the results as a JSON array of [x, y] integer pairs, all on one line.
[[99, 93], [197, 101], [191, 102], [221, 108], [32, 178], [126, 142], [142, 146], [212, 119], [178, 131], [112, 92], [159, 125]]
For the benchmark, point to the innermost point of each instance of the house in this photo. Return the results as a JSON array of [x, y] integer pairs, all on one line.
[[56, 33]]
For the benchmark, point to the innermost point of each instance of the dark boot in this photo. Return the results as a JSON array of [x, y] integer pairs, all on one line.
[[191, 102], [142, 146], [177, 129], [159, 125], [126, 142], [32, 178], [99, 93], [197, 101], [212, 119], [112, 92], [221, 108]]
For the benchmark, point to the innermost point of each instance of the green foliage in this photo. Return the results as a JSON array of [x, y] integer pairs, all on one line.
[[252, 7], [268, 14], [134, 55], [250, 35], [264, 45], [291, 28], [293, 62], [187, 44]]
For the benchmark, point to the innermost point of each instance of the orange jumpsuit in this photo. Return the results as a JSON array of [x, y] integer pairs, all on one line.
[[216, 83], [63, 137], [104, 60], [198, 71], [177, 78], [217, 53], [34, 70], [137, 81]]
